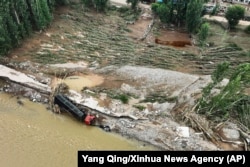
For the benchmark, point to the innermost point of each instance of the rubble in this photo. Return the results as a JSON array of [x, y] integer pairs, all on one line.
[[231, 134]]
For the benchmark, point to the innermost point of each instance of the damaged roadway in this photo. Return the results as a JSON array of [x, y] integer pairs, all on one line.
[[154, 124]]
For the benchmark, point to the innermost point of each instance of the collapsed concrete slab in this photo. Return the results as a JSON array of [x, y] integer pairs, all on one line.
[[23, 79]]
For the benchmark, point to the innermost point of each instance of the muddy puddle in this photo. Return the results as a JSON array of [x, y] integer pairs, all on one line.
[[77, 83], [34, 136], [173, 38]]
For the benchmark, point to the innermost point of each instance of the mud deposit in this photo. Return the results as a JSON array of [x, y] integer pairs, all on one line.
[[173, 38]]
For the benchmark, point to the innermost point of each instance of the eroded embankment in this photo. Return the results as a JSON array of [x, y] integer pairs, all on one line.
[[102, 41]]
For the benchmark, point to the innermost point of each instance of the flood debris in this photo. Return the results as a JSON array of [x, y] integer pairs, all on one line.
[[183, 131], [107, 50]]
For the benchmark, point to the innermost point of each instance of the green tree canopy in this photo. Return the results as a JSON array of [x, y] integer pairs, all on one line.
[[134, 3], [19, 17], [193, 15], [203, 33], [180, 12], [234, 14], [99, 5]]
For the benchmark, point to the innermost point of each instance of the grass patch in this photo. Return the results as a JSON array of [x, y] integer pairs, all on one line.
[[139, 107], [128, 14], [247, 53], [244, 112], [231, 102], [247, 29], [234, 46], [49, 58], [113, 94], [160, 98], [122, 97]]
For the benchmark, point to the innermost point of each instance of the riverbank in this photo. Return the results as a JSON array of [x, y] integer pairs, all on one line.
[[152, 124], [133, 86], [37, 137]]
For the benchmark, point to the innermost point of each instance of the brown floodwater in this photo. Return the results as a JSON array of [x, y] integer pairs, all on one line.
[[34, 136], [77, 83]]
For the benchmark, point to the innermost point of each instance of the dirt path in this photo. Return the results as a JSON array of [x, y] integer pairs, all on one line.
[[119, 2], [243, 24]]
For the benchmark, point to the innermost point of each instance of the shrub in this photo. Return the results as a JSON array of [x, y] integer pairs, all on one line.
[[215, 10], [203, 33], [139, 107], [134, 3], [154, 7], [247, 30], [234, 14], [164, 13], [99, 5], [122, 97], [231, 101], [193, 15], [87, 3]]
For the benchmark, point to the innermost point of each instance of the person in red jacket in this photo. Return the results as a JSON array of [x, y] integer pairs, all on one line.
[[89, 119]]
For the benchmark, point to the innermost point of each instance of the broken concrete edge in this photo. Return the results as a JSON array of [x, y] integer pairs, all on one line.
[[127, 126], [93, 105], [114, 117], [23, 79]]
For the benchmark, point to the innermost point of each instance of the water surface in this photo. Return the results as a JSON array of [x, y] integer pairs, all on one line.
[[34, 136]]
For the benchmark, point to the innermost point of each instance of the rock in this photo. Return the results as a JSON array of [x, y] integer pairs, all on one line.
[[231, 134], [183, 131], [231, 125], [45, 80], [145, 112], [126, 123], [31, 76], [166, 107], [129, 89], [45, 100], [223, 83], [25, 65], [146, 16]]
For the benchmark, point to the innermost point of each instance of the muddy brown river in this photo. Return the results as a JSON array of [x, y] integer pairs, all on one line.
[[34, 136]]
